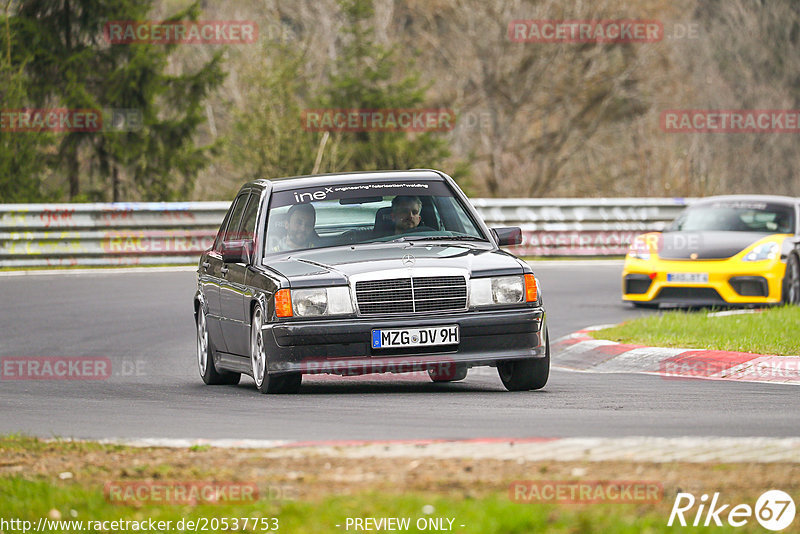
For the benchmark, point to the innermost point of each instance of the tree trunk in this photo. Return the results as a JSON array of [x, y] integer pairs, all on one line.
[[114, 183], [73, 167]]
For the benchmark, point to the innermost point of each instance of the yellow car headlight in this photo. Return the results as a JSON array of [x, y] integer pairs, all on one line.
[[644, 246], [764, 251], [638, 255]]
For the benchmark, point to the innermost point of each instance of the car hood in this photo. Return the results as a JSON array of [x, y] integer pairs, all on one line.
[[706, 245], [335, 265]]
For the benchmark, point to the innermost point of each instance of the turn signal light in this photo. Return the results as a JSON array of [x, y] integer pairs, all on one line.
[[531, 291], [283, 303]]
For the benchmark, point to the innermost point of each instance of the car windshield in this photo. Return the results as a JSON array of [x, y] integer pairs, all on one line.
[[736, 217], [348, 214]]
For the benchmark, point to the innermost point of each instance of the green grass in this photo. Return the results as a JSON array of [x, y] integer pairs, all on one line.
[[21, 442], [772, 331], [31, 499], [30, 493]]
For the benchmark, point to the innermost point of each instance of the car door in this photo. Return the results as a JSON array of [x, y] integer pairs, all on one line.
[[234, 294], [217, 263], [210, 276]]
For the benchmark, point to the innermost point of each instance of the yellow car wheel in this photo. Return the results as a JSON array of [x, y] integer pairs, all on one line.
[[791, 282]]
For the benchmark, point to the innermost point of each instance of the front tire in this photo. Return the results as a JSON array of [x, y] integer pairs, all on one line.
[[528, 374], [205, 356], [266, 383], [791, 282]]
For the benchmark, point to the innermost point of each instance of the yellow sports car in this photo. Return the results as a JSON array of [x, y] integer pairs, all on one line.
[[729, 250]]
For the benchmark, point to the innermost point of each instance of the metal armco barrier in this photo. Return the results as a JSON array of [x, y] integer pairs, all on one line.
[[579, 226], [155, 233], [34, 235]]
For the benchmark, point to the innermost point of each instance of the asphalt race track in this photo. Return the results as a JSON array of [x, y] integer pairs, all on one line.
[[143, 323]]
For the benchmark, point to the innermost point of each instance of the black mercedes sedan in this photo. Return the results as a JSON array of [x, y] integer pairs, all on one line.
[[370, 272]]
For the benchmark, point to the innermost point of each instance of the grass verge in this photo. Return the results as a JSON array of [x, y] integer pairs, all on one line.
[[68, 481], [769, 331]]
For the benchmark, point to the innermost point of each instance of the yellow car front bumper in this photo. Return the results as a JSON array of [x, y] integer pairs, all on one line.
[[729, 281]]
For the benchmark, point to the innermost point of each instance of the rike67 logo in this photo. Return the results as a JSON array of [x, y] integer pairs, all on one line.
[[774, 510]]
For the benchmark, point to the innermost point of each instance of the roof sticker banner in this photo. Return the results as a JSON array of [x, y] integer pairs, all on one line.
[[357, 190]]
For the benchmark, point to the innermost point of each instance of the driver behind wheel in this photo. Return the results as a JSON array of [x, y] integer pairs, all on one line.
[[406, 213], [300, 232]]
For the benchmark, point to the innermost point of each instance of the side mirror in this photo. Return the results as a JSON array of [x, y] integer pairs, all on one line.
[[237, 251], [508, 235]]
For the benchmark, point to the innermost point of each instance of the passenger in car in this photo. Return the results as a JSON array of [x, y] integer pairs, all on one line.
[[300, 221], [406, 213]]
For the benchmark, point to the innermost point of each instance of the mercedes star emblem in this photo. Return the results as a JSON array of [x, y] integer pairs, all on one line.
[[409, 260]]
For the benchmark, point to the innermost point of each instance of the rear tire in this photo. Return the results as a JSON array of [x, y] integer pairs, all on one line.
[[528, 374], [791, 282], [266, 383], [205, 356]]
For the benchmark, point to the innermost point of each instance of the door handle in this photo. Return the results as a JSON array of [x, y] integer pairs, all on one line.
[[224, 269]]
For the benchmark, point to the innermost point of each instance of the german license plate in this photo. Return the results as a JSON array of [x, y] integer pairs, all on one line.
[[415, 337], [688, 278]]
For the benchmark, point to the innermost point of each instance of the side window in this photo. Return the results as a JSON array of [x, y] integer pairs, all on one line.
[[231, 221], [231, 233], [221, 232], [248, 225]]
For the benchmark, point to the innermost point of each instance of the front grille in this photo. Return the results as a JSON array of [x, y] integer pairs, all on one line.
[[410, 295], [690, 295]]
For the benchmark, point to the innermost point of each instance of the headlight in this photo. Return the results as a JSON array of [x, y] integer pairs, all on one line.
[[639, 249], [314, 302], [307, 302], [497, 290], [764, 251]]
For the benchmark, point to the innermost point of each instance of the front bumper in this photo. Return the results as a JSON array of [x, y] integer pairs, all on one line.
[[342, 346], [730, 281]]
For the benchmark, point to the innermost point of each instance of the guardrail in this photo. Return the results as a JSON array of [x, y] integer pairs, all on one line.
[[155, 233]]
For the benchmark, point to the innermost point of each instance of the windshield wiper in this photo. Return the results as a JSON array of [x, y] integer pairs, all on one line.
[[444, 238]]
